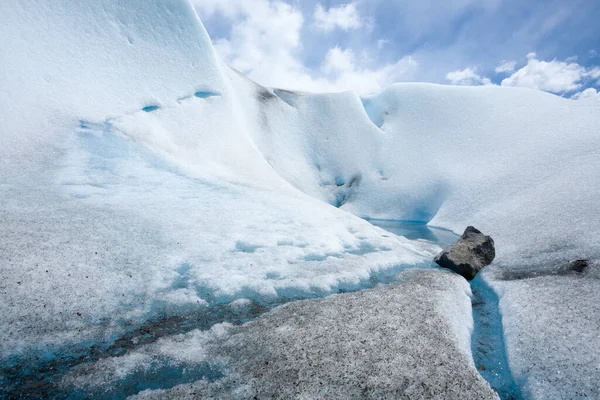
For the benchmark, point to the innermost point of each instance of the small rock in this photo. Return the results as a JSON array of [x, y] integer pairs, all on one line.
[[469, 254], [579, 265]]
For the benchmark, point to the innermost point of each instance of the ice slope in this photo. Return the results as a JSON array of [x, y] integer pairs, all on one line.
[[89, 60], [495, 157], [409, 339], [141, 178], [551, 327], [113, 234], [520, 164], [132, 190]]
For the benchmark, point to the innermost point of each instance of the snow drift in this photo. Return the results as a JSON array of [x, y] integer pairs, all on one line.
[[142, 177], [132, 185]]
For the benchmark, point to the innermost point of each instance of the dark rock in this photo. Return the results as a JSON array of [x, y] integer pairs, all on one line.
[[578, 265], [581, 267], [469, 254]]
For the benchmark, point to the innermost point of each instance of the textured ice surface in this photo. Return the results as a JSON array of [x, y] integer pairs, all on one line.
[[65, 60], [516, 163], [113, 235], [141, 179], [551, 326], [131, 188], [405, 340], [167, 362]]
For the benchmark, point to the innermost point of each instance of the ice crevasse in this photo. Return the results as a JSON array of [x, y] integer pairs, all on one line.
[[141, 176]]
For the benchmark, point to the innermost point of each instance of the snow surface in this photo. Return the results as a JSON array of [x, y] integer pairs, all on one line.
[[519, 164], [141, 178], [131, 187], [65, 60], [551, 328], [118, 235], [405, 340]]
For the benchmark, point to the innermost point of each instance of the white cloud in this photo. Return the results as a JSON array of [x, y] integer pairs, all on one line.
[[344, 71], [506, 67], [589, 93], [264, 38], [228, 8], [344, 17], [552, 76], [265, 43], [593, 53], [467, 77], [274, 43], [571, 59], [339, 60], [381, 43]]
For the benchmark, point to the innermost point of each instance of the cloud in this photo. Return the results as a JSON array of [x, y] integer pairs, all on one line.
[[589, 93], [467, 77], [314, 47], [344, 70], [338, 60], [506, 67], [227, 8], [265, 43], [552, 76], [264, 38], [381, 43], [344, 17]]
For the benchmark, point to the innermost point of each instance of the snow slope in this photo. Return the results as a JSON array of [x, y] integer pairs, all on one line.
[[132, 188], [551, 327], [519, 164], [141, 178], [63, 60]]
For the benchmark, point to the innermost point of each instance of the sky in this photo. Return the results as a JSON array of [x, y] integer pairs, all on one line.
[[366, 45]]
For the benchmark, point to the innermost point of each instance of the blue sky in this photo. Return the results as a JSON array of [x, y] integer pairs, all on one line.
[[551, 45]]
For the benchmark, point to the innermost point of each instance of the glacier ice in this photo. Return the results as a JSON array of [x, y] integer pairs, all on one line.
[[367, 344], [130, 179], [142, 179], [122, 236], [551, 330]]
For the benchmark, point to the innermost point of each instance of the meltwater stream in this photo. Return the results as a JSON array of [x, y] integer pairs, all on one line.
[[487, 341], [25, 380], [33, 376]]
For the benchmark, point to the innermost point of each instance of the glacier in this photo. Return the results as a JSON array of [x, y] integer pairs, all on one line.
[[142, 179], [315, 348]]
